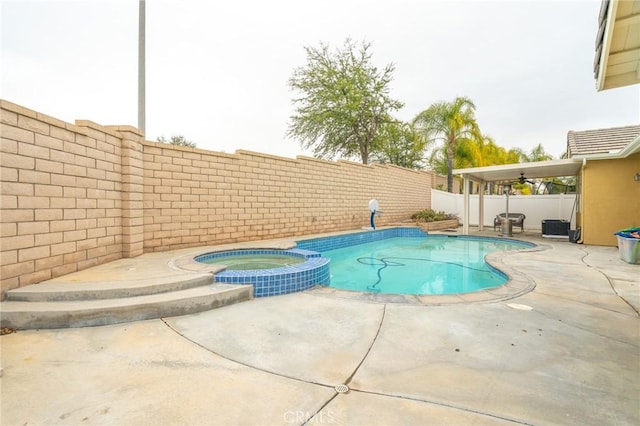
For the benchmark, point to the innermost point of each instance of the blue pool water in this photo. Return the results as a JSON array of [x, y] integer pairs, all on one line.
[[245, 262], [418, 265], [393, 260]]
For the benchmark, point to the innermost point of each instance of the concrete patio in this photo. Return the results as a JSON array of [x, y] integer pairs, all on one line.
[[567, 352]]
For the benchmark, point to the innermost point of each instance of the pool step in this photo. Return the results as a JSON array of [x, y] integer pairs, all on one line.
[[60, 291], [74, 306]]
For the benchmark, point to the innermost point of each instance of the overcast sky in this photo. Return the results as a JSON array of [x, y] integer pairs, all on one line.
[[217, 71]]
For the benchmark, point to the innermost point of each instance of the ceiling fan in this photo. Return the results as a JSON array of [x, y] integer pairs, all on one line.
[[523, 179]]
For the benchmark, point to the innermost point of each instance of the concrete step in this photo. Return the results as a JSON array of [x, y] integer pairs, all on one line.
[[58, 291], [88, 313]]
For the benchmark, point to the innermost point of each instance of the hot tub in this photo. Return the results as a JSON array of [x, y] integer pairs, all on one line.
[[271, 272]]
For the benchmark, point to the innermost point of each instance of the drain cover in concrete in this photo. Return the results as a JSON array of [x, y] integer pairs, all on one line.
[[342, 388]]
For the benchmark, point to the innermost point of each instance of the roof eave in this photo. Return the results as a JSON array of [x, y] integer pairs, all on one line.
[[564, 167], [606, 45], [628, 150]]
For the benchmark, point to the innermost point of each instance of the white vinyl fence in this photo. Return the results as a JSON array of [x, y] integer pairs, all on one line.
[[535, 207]]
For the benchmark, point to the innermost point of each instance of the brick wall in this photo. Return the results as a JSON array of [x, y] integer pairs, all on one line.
[[195, 197], [440, 183], [78, 195], [61, 199]]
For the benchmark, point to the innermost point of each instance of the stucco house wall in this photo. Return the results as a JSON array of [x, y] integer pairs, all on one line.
[[609, 194], [610, 199]]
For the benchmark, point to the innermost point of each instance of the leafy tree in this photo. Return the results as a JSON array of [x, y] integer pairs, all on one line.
[[344, 101], [453, 124], [438, 161], [178, 140], [537, 154], [465, 154], [402, 145], [493, 155], [558, 185], [490, 153], [512, 156], [523, 188]]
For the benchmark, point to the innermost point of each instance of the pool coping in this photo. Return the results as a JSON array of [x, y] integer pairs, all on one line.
[[517, 284], [187, 262]]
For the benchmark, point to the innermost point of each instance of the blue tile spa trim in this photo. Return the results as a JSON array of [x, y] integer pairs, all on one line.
[[248, 252], [339, 241], [275, 281]]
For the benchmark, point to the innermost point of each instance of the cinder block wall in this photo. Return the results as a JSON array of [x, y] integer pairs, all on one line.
[[78, 195], [61, 196], [194, 197]]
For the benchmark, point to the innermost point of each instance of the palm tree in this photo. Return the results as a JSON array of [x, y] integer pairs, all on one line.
[[537, 154], [488, 151], [467, 153], [452, 123]]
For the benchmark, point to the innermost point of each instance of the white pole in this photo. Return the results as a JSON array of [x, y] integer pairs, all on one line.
[[508, 188], [481, 207], [141, 67], [465, 212]]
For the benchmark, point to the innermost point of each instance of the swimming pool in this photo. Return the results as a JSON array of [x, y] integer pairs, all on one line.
[[395, 261], [429, 265]]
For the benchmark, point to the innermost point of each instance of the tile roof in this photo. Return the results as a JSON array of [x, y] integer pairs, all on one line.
[[600, 141]]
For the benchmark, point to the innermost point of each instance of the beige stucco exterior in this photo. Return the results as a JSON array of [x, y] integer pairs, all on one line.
[[610, 199]]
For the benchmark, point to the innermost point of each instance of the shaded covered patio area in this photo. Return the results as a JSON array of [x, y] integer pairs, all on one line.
[[506, 175]]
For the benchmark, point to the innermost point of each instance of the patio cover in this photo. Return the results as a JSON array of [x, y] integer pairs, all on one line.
[[510, 173]]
